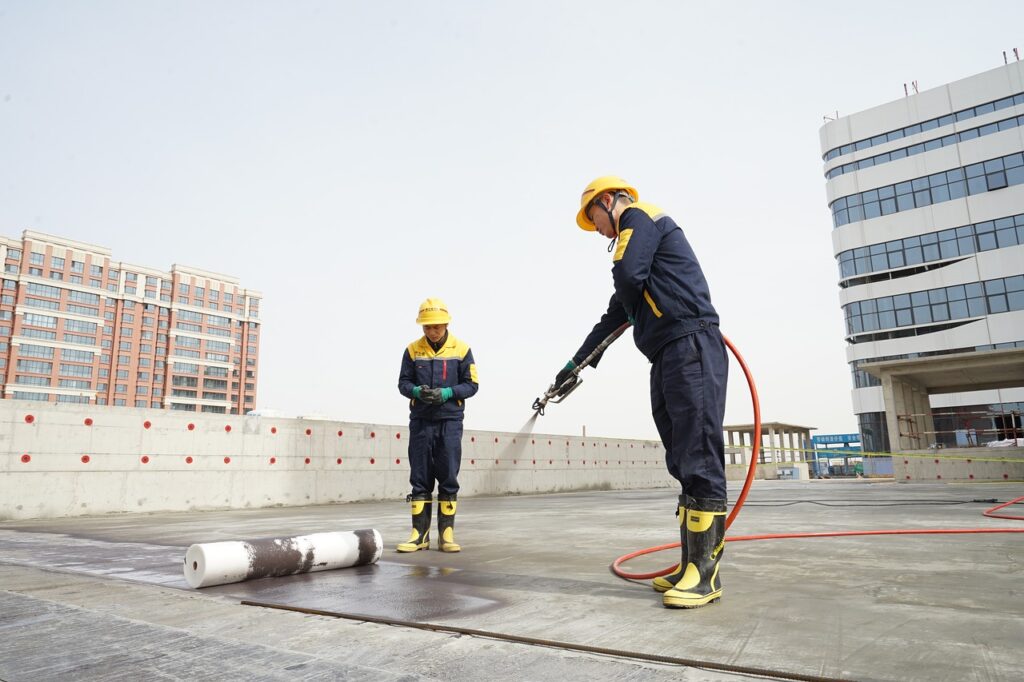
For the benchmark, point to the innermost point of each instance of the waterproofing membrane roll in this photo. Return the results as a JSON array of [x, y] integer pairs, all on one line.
[[220, 563]]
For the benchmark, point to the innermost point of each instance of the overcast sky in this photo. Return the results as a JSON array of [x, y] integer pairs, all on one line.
[[350, 159]]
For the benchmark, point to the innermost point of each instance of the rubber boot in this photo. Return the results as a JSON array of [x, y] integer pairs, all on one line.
[[420, 538], [664, 583], [446, 526], [705, 540]]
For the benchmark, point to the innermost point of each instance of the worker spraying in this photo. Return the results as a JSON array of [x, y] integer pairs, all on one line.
[[660, 289], [438, 374]]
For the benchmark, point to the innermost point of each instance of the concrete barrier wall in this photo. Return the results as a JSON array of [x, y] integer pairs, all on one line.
[[961, 464], [68, 460]]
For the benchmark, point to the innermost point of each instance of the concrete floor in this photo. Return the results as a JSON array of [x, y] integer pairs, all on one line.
[[104, 597]]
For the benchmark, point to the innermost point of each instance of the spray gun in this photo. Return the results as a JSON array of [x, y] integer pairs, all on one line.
[[556, 394]]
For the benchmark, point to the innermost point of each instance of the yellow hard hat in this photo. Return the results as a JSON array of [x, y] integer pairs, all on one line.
[[433, 311], [595, 189]]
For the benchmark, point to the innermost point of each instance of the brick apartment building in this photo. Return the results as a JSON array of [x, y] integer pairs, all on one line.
[[79, 327]]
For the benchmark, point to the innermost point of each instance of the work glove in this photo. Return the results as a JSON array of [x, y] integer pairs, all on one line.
[[564, 374], [446, 394], [431, 396], [416, 390]]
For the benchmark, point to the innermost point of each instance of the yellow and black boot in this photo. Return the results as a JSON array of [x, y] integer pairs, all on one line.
[[705, 541], [664, 583], [446, 525], [420, 538]]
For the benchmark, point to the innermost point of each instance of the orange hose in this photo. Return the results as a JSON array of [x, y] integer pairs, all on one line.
[[756, 446]]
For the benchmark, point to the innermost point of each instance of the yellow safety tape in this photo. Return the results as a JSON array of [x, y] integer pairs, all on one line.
[[858, 453]]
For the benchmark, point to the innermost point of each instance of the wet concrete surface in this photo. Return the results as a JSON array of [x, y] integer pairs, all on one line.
[[886, 608]]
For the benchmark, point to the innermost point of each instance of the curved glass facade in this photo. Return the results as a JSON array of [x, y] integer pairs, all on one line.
[[958, 302], [921, 147], [977, 178], [924, 126], [932, 247]]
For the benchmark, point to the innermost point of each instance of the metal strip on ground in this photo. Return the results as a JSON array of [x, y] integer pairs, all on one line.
[[638, 655]]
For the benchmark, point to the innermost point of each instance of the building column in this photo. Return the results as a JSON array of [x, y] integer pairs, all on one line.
[[908, 413]]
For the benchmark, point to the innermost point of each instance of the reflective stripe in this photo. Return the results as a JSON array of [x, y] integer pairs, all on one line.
[[620, 249], [650, 302]]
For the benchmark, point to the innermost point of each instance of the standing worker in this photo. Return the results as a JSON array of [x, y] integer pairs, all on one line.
[[660, 289], [438, 375]]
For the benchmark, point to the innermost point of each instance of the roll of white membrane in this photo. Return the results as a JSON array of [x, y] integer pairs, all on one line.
[[220, 563]]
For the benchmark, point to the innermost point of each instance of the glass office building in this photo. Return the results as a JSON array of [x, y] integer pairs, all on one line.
[[926, 196]]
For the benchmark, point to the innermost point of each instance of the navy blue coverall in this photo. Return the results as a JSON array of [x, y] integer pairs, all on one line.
[[661, 289], [435, 431]]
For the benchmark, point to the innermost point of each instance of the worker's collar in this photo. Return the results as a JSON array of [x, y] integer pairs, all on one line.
[[440, 344]]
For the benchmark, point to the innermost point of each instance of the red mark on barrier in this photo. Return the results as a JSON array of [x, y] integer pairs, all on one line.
[[340, 434], [273, 429], [515, 461], [495, 440], [145, 459], [227, 460], [549, 442], [29, 419], [939, 476], [533, 441], [583, 444], [397, 461], [85, 459], [25, 459], [1006, 475], [227, 427], [496, 462], [146, 424], [373, 461], [908, 478], [398, 436], [373, 434], [273, 460], [551, 461], [191, 427], [906, 461], [88, 421], [339, 460], [307, 460], [309, 432], [188, 460], [584, 462], [970, 476], [936, 461], [472, 461]]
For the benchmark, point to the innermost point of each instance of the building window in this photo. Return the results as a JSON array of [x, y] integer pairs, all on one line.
[[24, 395], [977, 178], [957, 302], [924, 126]]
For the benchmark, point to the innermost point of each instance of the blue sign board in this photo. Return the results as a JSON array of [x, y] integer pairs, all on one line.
[[836, 439]]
